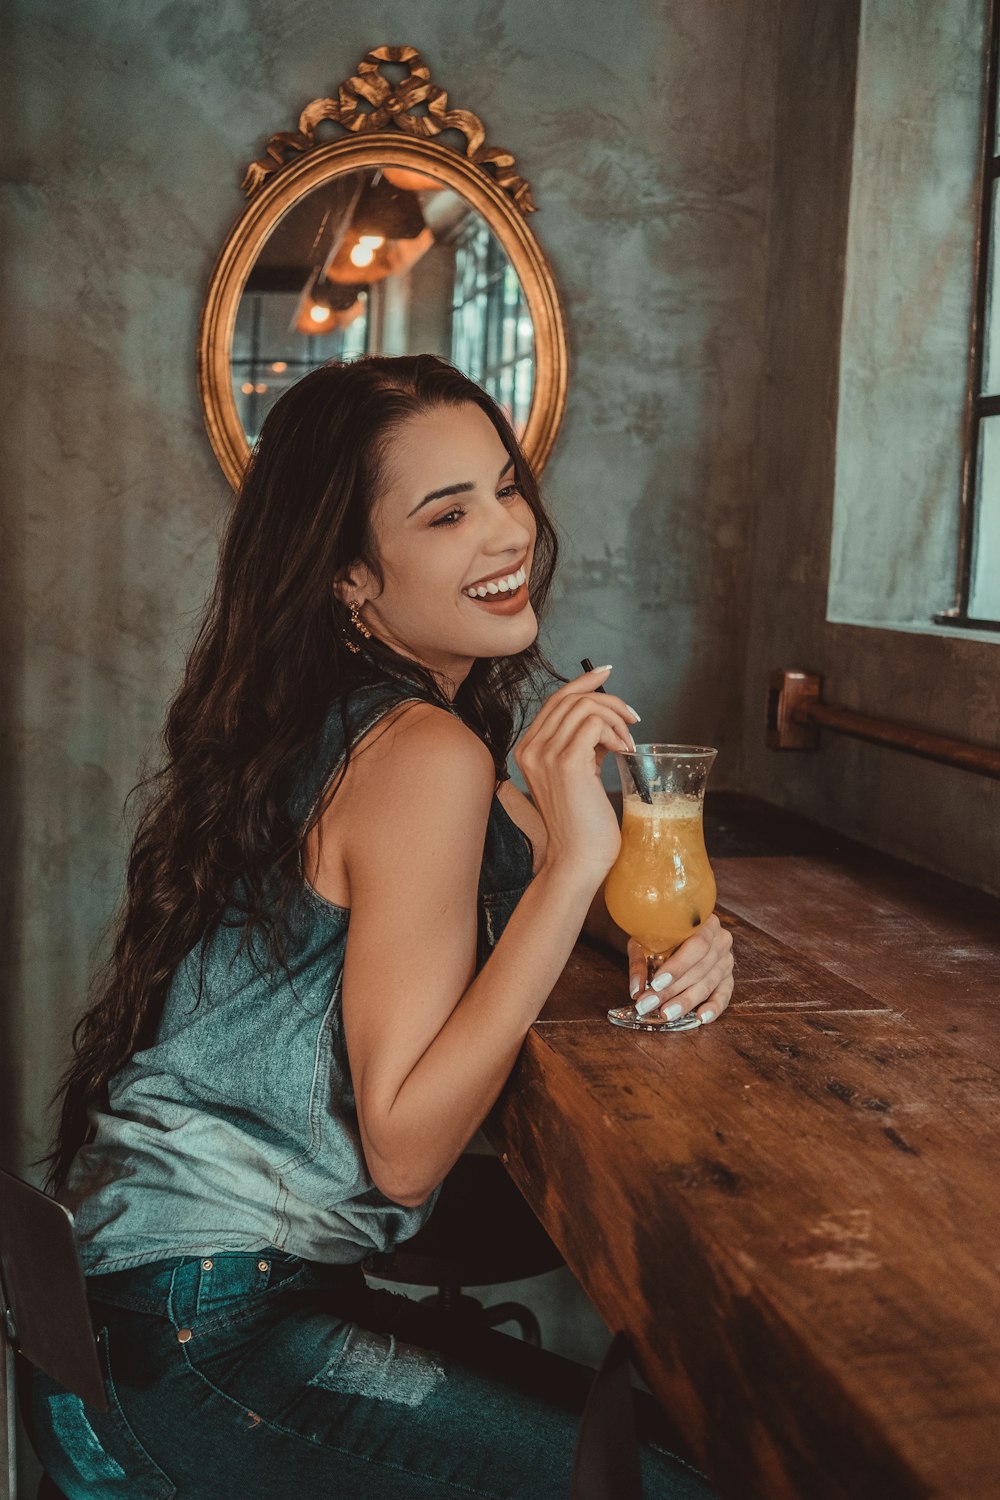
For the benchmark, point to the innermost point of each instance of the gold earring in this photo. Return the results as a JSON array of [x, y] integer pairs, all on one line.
[[359, 624]]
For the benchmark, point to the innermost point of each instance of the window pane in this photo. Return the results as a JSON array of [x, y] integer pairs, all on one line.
[[984, 594], [991, 325], [525, 370], [525, 331], [492, 333]]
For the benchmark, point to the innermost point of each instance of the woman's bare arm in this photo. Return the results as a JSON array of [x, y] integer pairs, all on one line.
[[430, 1042]]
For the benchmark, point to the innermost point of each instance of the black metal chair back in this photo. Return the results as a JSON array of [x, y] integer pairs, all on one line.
[[46, 1320]]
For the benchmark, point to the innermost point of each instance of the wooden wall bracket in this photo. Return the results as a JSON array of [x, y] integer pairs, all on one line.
[[788, 692], [796, 713]]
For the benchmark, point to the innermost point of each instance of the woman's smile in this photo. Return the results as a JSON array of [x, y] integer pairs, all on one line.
[[502, 593], [510, 602]]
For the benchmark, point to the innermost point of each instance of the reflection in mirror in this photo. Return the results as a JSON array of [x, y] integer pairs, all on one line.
[[384, 261]]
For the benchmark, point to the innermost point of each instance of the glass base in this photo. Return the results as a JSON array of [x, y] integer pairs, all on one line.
[[625, 1015]]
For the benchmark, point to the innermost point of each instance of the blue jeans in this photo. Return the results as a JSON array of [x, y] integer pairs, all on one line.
[[257, 1376]]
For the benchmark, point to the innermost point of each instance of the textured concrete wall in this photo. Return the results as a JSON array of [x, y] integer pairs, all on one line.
[[945, 819], [645, 131]]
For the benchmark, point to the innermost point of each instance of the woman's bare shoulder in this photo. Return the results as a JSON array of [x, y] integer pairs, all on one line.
[[416, 764], [422, 738]]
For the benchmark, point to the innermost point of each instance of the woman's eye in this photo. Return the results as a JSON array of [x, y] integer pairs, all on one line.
[[452, 517]]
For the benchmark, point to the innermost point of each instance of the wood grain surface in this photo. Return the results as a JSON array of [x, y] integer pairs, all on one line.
[[793, 1212]]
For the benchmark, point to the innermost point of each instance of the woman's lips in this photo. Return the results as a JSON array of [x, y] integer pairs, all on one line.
[[502, 604]]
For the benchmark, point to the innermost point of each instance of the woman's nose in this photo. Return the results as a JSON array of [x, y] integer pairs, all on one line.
[[510, 535]]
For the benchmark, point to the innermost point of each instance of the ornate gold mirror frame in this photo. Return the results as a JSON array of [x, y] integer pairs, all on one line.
[[386, 133]]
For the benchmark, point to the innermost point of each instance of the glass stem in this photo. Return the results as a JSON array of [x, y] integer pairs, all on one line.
[[653, 962]]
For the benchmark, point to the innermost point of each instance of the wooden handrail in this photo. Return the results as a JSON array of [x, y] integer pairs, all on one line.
[[796, 713]]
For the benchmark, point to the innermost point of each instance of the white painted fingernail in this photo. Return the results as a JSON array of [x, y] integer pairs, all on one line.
[[706, 1016], [662, 981], [636, 717], [643, 1007], [674, 1010], [634, 985]]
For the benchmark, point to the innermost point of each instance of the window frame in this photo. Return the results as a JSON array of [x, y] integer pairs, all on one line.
[[978, 405]]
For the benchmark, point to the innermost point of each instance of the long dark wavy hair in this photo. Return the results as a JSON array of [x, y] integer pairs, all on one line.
[[269, 662]]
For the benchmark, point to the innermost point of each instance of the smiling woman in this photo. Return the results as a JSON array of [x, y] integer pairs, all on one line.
[[333, 943]]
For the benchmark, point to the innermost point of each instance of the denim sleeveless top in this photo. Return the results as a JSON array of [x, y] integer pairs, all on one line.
[[237, 1128]]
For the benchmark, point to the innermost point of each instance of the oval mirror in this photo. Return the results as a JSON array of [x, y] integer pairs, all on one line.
[[385, 244]]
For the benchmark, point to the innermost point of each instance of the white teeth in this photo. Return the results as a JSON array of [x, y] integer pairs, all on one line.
[[498, 585]]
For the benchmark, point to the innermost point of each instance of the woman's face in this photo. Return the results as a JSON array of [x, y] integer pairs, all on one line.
[[434, 546]]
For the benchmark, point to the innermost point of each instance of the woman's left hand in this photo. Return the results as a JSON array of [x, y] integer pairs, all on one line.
[[698, 975]]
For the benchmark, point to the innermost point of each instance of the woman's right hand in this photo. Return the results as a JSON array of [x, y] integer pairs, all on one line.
[[560, 755]]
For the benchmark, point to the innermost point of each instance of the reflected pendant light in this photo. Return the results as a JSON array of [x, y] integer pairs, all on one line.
[[388, 211]]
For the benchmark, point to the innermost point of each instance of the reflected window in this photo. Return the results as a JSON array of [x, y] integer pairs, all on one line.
[[492, 332]]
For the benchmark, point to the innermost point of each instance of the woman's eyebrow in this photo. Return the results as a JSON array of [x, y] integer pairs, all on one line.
[[455, 489]]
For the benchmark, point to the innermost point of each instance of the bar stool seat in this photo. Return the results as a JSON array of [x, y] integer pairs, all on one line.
[[481, 1232]]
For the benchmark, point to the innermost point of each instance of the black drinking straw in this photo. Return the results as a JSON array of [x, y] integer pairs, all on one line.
[[635, 770]]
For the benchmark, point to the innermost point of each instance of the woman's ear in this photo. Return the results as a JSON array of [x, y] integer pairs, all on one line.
[[352, 584]]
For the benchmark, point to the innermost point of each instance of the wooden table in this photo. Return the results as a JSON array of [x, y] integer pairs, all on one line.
[[793, 1212]]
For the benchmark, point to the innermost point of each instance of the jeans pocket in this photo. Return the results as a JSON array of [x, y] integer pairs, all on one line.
[[380, 1367], [231, 1287], [87, 1452]]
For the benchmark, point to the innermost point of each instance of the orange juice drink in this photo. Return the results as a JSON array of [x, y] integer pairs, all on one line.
[[661, 886]]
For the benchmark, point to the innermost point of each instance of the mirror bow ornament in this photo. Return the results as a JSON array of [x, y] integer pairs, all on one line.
[[392, 106]]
